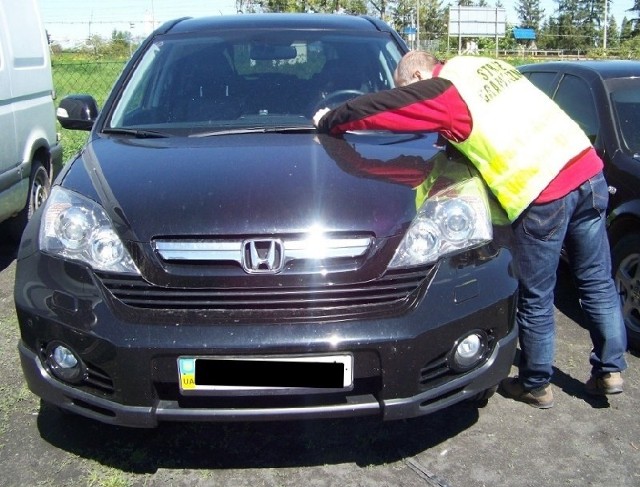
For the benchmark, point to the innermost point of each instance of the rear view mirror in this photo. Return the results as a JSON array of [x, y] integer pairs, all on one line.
[[77, 112], [271, 52]]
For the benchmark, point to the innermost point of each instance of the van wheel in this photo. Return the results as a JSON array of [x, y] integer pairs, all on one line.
[[626, 273], [39, 189]]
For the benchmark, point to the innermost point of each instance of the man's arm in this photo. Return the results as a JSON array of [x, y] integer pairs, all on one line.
[[432, 105]]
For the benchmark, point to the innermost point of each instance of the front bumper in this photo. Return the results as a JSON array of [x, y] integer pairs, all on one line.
[[42, 384], [400, 361]]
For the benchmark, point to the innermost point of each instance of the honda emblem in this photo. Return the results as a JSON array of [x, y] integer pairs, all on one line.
[[262, 256]]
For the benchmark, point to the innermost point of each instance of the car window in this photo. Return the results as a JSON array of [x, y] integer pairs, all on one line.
[[575, 98], [625, 98], [543, 81], [249, 79]]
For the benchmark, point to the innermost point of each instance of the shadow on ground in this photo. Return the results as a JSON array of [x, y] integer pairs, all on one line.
[[252, 445]]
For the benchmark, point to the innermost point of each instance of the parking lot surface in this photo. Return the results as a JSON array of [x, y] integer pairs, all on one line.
[[582, 441]]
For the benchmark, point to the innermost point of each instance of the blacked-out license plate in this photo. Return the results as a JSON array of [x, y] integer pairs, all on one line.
[[242, 373]]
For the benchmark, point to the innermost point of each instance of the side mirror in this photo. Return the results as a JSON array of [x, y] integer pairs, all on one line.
[[77, 112]]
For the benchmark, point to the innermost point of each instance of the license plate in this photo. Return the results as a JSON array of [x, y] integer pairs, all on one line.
[[326, 372]]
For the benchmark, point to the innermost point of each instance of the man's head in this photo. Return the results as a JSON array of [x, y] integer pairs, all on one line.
[[414, 66]]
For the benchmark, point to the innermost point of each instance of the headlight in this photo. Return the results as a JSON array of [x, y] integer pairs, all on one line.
[[455, 219], [74, 227]]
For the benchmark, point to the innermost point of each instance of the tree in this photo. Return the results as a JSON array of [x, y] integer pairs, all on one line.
[[380, 7], [636, 8], [280, 5], [626, 29], [320, 6], [433, 19], [95, 43], [530, 14], [355, 7], [613, 33], [121, 44], [248, 6], [635, 22], [404, 15], [573, 28], [590, 22]]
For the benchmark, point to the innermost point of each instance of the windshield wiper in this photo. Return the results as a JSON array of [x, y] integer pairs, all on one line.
[[140, 134], [257, 130]]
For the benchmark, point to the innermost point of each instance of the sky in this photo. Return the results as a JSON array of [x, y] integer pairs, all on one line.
[[72, 21]]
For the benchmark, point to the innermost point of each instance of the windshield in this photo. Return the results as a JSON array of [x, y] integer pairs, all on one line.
[[251, 79], [625, 98]]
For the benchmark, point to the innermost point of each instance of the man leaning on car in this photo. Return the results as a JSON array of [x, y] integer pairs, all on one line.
[[545, 174]]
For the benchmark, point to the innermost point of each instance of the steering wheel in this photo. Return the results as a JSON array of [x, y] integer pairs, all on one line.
[[336, 98]]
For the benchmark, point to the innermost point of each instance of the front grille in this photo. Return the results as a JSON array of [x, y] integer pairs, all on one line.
[[434, 370], [99, 379], [394, 291]]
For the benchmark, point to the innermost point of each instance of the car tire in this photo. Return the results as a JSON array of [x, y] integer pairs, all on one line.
[[39, 189], [625, 258]]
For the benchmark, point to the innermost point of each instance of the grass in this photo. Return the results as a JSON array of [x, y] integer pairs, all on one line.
[[106, 477], [15, 398]]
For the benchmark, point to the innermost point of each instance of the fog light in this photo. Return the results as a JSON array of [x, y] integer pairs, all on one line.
[[468, 351], [64, 363], [64, 358]]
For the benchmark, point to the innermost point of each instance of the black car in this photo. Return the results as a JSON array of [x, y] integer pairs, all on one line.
[[604, 98], [209, 256]]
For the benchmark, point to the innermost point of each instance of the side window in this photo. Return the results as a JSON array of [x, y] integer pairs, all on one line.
[[544, 81], [574, 97]]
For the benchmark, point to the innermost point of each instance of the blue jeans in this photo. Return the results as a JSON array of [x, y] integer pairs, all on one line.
[[577, 221]]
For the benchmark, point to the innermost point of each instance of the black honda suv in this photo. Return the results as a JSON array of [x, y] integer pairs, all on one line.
[[209, 256]]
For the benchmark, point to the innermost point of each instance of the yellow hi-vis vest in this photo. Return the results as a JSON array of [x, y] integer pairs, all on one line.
[[520, 139]]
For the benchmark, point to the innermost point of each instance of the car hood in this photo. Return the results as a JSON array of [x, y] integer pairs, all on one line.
[[255, 184]]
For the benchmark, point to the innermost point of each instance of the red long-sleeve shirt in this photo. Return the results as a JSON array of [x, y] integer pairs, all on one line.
[[435, 105]]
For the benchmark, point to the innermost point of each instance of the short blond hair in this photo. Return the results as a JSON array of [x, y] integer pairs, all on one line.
[[410, 63]]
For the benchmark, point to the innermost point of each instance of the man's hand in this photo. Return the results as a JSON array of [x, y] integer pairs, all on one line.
[[319, 114]]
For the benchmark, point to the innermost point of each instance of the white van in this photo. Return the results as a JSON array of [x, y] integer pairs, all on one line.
[[30, 154]]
